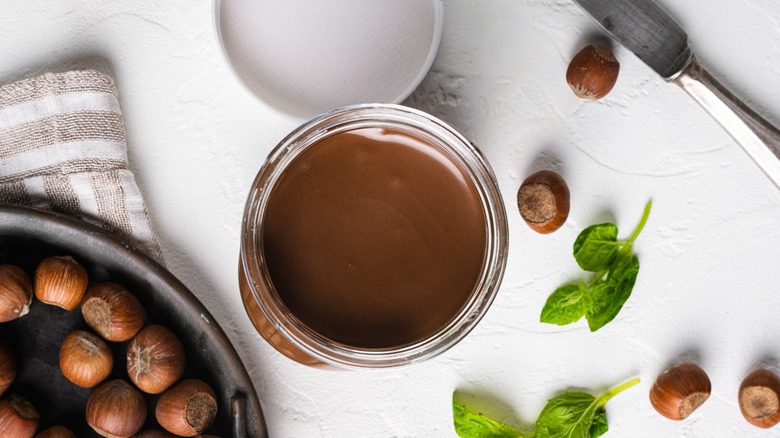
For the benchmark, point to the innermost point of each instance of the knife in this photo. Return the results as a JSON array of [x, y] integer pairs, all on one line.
[[645, 29]]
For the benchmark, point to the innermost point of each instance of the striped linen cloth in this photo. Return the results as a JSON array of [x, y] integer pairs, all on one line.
[[63, 148]]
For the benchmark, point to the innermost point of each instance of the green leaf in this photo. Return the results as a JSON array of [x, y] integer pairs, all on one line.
[[599, 426], [566, 305], [567, 415], [577, 414], [624, 272], [609, 296], [596, 247], [601, 298], [476, 425]]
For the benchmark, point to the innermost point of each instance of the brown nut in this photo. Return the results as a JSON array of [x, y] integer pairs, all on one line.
[[544, 201], [188, 408], [56, 432], [116, 409], [60, 281], [113, 312], [759, 398], [18, 418], [85, 359], [592, 72], [7, 366], [15, 292], [155, 359], [680, 390]]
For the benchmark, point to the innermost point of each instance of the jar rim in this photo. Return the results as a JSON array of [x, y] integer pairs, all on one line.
[[475, 167]]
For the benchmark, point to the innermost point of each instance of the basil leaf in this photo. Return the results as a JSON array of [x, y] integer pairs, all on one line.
[[566, 305], [471, 425], [598, 313], [608, 297], [615, 269], [599, 426], [567, 415], [624, 272], [596, 247]]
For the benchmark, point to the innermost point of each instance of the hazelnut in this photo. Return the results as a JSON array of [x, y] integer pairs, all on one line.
[[116, 409], [188, 408], [60, 281], [759, 398], [7, 366], [18, 418], [544, 200], [56, 432], [155, 359], [15, 292], [680, 390], [85, 359], [113, 312], [592, 72]]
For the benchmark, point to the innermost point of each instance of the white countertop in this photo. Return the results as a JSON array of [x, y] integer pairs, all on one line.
[[708, 287]]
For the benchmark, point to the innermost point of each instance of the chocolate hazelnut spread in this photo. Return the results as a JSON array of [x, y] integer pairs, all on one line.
[[374, 238]]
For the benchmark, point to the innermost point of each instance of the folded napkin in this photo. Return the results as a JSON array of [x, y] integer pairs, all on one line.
[[63, 148]]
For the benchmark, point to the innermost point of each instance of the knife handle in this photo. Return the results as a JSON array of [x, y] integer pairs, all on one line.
[[759, 138]]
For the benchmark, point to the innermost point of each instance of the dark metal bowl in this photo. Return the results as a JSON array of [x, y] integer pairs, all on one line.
[[27, 236]]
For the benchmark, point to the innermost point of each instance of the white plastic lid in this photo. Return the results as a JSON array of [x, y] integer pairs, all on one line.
[[305, 57]]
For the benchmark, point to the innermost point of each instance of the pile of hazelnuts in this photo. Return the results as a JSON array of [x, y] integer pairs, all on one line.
[[115, 407]]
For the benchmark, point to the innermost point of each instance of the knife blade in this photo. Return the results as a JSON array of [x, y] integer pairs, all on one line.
[[642, 27], [650, 33]]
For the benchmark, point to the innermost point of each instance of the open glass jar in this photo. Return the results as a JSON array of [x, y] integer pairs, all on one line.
[[374, 236]]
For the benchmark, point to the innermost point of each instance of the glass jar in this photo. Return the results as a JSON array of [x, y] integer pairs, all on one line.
[[288, 333]]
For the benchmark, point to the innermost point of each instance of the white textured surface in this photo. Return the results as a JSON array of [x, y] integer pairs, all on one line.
[[708, 288]]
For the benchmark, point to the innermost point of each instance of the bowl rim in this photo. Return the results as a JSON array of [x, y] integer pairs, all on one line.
[[59, 230], [352, 357], [425, 66]]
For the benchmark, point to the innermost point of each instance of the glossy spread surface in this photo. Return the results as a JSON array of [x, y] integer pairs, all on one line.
[[374, 238]]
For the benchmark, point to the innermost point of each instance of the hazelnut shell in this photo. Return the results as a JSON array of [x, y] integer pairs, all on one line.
[[155, 359], [85, 359], [188, 408], [56, 432], [544, 201], [115, 408], [60, 281], [18, 418], [593, 72], [15, 292], [113, 312], [680, 390], [7, 366], [759, 398]]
